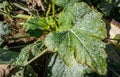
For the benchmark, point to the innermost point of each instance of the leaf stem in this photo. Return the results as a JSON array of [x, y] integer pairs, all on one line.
[[23, 16], [48, 11], [18, 37], [36, 57], [53, 8]]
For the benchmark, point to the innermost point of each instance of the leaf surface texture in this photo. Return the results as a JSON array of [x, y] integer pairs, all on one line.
[[82, 40]]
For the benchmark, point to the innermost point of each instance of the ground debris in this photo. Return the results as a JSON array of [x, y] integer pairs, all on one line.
[[115, 28], [5, 69]]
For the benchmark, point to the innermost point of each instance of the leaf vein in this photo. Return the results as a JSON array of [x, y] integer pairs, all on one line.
[[84, 46]]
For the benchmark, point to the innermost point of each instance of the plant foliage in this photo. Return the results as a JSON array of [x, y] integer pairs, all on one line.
[[56, 64], [72, 31], [82, 40]]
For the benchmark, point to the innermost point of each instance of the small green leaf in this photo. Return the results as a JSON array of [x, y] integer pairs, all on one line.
[[47, 22], [36, 32], [44, 24], [33, 27], [83, 40], [57, 68], [32, 24]]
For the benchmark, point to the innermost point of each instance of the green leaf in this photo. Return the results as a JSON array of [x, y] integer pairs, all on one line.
[[36, 32], [32, 24], [33, 27], [57, 68], [66, 20], [65, 3], [7, 56], [4, 29], [47, 22], [28, 52], [83, 40]]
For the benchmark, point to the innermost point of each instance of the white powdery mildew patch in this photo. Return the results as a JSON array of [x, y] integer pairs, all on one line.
[[1, 30], [4, 29], [74, 70], [59, 69], [1, 33]]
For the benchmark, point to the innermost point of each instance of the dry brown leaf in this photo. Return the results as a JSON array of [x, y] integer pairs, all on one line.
[[39, 3], [114, 28], [5, 69], [36, 2]]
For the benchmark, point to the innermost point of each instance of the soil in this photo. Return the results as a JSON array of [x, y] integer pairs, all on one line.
[[17, 30]]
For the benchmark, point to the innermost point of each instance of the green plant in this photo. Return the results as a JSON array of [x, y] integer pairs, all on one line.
[[73, 37]]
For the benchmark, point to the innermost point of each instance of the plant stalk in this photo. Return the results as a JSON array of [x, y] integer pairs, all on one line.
[[23, 16], [18, 37], [36, 57], [53, 8], [48, 11]]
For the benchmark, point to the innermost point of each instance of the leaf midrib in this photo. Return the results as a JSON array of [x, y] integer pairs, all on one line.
[[83, 46]]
